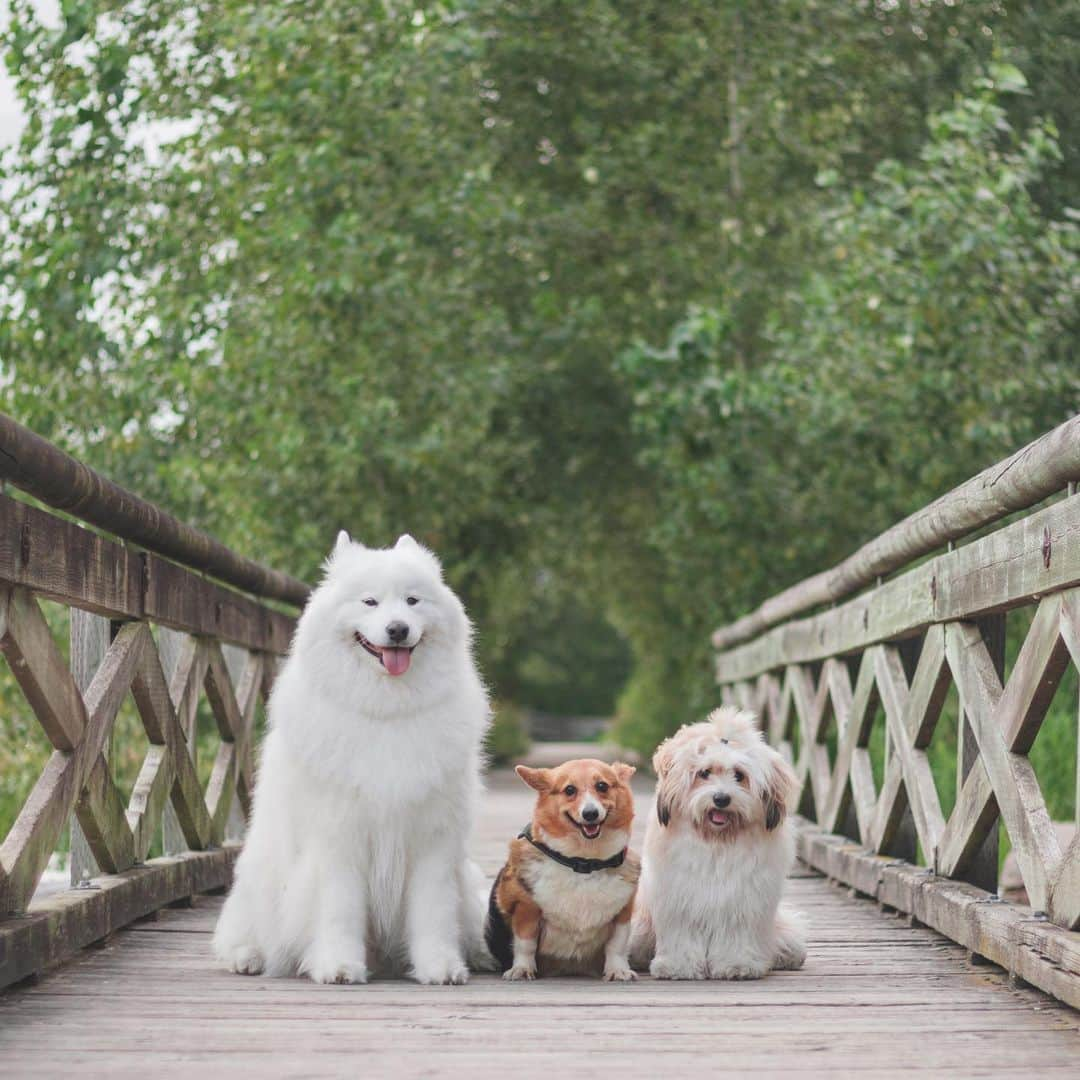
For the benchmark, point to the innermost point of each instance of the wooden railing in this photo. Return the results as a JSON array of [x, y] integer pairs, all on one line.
[[820, 680], [146, 620]]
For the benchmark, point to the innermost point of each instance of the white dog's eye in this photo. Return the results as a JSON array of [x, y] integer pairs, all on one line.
[[412, 601], [704, 774], [371, 601]]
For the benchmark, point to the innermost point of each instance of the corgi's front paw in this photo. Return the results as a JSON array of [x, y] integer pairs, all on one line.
[[520, 972], [619, 974]]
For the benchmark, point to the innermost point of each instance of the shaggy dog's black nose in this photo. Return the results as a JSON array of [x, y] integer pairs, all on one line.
[[720, 801], [397, 632], [590, 813]]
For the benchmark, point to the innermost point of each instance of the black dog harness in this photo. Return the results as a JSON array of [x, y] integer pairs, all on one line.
[[575, 862]]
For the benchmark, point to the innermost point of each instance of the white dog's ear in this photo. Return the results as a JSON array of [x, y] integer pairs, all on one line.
[[780, 786], [623, 771], [407, 542], [342, 542], [538, 779]]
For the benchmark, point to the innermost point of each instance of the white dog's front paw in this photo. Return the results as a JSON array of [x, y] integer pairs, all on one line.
[[664, 967], [619, 974], [343, 972], [447, 971], [520, 972], [790, 957], [244, 960]]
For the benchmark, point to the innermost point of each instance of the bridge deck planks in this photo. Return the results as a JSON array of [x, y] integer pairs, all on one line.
[[876, 996]]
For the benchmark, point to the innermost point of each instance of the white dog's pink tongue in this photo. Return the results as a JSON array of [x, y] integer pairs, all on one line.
[[396, 661]]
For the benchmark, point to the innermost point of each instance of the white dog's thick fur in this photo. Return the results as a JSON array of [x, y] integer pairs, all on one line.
[[355, 859], [716, 854]]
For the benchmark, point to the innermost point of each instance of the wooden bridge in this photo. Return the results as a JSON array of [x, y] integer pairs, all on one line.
[[916, 963]]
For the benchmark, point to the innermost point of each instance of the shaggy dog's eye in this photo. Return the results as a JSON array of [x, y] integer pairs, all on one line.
[[704, 774], [371, 601], [570, 790], [601, 786], [412, 601], [739, 775]]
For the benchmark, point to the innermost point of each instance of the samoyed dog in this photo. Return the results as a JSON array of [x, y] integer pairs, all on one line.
[[355, 857]]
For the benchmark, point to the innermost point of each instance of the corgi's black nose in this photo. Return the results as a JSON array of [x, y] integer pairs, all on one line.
[[720, 801], [397, 632], [590, 813]]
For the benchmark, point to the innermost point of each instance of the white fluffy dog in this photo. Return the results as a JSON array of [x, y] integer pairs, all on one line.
[[355, 859], [716, 854]]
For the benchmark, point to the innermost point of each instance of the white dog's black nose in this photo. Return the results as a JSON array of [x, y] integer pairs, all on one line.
[[590, 813], [720, 801], [397, 632]]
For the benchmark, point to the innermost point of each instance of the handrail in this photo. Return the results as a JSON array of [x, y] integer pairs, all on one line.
[[43, 470], [1027, 477]]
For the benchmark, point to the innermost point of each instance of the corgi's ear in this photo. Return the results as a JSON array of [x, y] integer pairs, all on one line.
[[538, 779], [623, 771]]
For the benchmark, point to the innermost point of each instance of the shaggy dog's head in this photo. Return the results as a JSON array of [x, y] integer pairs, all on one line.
[[721, 778], [584, 807], [384, 608]]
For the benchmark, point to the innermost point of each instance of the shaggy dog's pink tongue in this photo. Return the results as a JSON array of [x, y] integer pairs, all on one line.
[[396, 661], [718, 817]]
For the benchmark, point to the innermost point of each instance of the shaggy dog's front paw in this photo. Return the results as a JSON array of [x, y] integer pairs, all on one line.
[[450, 972], [619, 974], [341, 972], [244, 960], [739, 971], [663, 968], [520, 972]]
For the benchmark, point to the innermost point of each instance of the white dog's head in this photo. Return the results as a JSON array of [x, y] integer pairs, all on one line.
[[721, 778], [385, 608]]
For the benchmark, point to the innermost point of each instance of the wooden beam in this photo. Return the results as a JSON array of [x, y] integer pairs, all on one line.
[[37, 466], [1006, 569], [57, 928], [1032, 474]]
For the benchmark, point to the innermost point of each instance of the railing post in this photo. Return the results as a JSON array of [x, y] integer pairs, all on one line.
[[89, 635], [982, 871], [170, 643]]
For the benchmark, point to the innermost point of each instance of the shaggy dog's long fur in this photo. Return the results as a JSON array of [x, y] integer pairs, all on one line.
[[716, 854], [355, 859]]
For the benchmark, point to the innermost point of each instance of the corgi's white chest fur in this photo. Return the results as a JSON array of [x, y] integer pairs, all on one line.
[[577, 909]]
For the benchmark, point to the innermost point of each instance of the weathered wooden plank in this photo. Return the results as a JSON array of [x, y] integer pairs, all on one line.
[[1016, 787], [178, 598], [154, 702], [59, 927], [1036, 472], [32, 839], [994, 573], [149, 798], [40, 670], [1041, 953], [46, 472]]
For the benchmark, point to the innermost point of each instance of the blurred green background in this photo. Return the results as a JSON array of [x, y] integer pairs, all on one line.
[[637, 313]]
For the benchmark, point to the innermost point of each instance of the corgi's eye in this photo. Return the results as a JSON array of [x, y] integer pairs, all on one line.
[[412, 601], [570, 790], [704, 774], [739, 775], [371, 601], [601, 786]]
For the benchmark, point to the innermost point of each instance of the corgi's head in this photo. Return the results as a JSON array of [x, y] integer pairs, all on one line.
[[583, 807]]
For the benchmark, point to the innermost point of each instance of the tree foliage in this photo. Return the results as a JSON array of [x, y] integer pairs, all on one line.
[[286, 267]]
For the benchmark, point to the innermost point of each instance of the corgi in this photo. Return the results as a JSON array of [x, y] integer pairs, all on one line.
[[561, 905]]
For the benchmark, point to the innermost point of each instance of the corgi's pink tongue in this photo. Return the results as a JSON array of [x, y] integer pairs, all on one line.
[[396, 661]]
